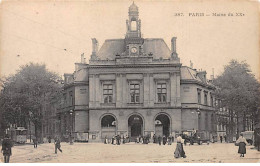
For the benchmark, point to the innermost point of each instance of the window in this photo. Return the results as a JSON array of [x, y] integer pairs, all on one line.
[[206, 98], [199, 96], [108, 93], [161, 92], [71, 98], [211, 101], [83, 91], [135, 93]]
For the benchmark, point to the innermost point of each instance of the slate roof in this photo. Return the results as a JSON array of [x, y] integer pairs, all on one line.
[[112, 47], [189, 74]]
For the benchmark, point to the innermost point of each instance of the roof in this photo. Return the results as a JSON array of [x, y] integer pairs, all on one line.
[[189, 74], [112, 47], [133, 7]]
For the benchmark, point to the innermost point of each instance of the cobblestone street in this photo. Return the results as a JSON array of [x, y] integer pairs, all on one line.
[[130, 153]]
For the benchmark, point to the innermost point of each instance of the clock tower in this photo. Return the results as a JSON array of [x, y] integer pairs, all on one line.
[[133, 39]]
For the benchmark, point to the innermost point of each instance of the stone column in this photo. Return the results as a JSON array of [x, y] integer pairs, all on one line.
[[178, 89], [92, 91], [97, 91], [173, 88], [146, 89], [151, 94], [118, 91], [124, 90]]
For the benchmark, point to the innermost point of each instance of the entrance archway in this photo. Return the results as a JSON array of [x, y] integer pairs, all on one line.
[[108, 126], [162, 125], [135, 126]]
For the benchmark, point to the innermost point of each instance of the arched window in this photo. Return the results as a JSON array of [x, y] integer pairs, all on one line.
[[108, 121]]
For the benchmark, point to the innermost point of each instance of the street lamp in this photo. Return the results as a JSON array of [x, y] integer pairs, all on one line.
[[71, 125], [198, 112]]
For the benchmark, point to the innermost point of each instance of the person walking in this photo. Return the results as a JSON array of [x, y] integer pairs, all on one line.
[[113, 139], [105, 140], [241, 142], [225, 138], [57, 145], [164, 140], [179, 151], [154, 138], [170, 140], [221, 139], [159, 139], [118, 139], [7, 148], [35, 142]]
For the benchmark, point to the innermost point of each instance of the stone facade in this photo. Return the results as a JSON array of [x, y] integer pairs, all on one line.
[[136, 86]]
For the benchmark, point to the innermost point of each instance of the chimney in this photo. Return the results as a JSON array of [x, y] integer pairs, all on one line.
[[191, 65], [82, 58], [173, 41], [94, 46]]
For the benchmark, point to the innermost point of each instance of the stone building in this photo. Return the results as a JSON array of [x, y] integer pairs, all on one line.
[[136, 86]]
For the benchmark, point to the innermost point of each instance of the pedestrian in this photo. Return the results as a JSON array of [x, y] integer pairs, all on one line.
[[179, 151], [221, 138], [169, 140], [164, 140], [124, 140], [225, 138], [7, 148], [49, 139], [57, 145], [35, 142], [241, 142], [154, 138], [105, 140], [159, 139], [113, 139], [118, 140]]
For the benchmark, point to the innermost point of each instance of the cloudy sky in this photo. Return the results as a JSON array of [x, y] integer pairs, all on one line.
[[58, 32]]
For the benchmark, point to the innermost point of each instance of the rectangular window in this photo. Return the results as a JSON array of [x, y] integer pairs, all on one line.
[[205, 98], [83, 91], [134, 93], [199, 96], [71, 98], [108, 93], [211, 101], [161, 92]]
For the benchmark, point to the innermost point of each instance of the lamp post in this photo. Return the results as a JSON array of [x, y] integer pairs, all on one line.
[[198, 112], [71, 126]]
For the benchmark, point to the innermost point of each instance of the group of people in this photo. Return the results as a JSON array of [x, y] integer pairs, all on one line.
[[221, 138], [117, 140], [163, 139], [142, 139]]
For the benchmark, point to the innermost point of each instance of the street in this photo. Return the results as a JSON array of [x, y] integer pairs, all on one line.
[[130, 153]]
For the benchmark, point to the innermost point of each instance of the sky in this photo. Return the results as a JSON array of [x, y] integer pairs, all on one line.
[[56, 33]]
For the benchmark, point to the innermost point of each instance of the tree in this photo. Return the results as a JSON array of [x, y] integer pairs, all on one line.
[[25, 94], [239, 91]]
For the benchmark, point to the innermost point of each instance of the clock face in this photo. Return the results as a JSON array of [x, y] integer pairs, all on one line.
[[133, 49]]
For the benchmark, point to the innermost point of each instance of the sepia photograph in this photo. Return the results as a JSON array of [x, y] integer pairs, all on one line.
[[144, 81]]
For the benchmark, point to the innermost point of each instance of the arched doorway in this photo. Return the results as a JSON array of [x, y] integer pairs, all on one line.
[[108, 126], [162, 125], [135, 126]]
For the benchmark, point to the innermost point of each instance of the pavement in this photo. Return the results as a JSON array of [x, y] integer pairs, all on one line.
[[131, 153]]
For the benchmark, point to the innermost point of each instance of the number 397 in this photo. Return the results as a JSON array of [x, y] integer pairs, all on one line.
[[178, 14]]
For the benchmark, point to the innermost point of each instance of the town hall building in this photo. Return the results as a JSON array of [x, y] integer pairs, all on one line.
[[135, 86]]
